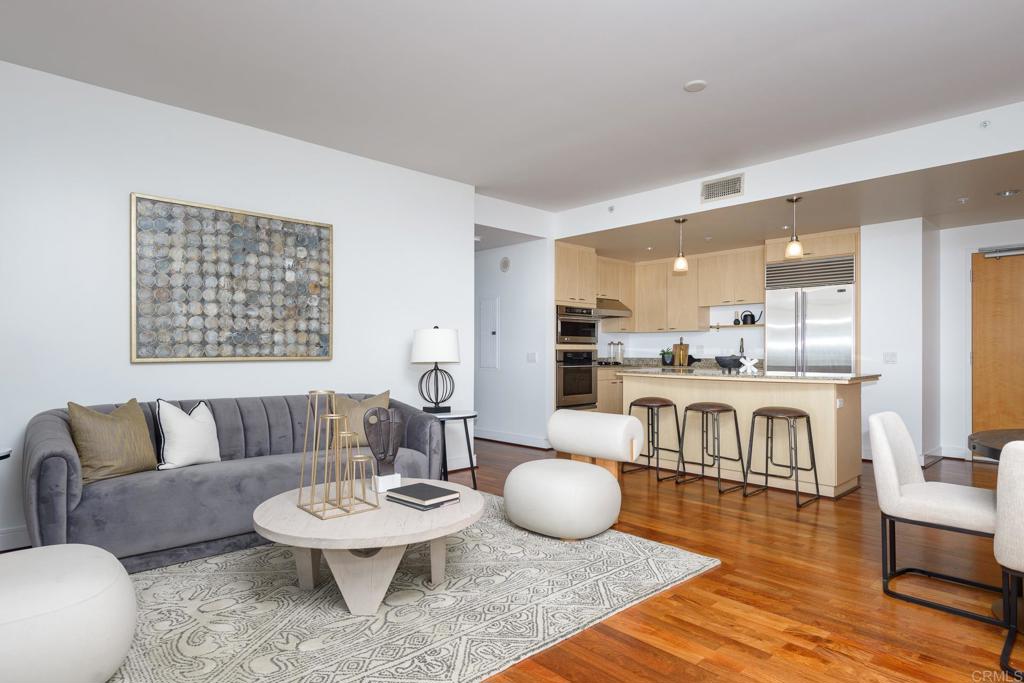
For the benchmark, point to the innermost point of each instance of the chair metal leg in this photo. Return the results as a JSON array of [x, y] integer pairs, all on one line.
[[626, 469], [889, 572]]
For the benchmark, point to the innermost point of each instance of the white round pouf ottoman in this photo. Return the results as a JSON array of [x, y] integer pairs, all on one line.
[[562, 498], [67, 614]]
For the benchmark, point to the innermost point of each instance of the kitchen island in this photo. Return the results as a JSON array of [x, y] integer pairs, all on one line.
[[833, 402]]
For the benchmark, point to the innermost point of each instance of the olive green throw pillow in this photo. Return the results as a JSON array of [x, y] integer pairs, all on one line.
[[111, 445], [356, 410]]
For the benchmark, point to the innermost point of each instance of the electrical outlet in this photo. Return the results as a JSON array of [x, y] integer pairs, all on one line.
[[840, 402], [531, 356], [889, 357]]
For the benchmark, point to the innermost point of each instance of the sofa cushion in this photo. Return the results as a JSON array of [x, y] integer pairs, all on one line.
[[186, 437], [111, 444], [355, 409], [157, 510]]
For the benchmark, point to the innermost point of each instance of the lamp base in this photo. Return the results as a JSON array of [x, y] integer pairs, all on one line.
[[437, 409]]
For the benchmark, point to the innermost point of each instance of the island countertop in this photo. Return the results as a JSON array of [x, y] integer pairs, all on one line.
[[677, 373]]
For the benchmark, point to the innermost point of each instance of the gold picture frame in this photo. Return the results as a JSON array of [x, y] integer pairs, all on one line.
[[158, 334]]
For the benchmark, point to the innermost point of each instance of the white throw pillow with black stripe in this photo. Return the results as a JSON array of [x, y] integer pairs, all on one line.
[[186, 438]]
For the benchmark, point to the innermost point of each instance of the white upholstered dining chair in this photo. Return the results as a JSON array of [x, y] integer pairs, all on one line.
[[1009, 541], [904, 496]]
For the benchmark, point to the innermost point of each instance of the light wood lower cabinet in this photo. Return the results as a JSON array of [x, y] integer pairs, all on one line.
[[609, 391]]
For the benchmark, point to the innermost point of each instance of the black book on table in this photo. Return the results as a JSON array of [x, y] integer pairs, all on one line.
[[423, 494], [423, 508]]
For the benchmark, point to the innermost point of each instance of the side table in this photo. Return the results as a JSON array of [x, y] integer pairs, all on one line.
[[465, 416]]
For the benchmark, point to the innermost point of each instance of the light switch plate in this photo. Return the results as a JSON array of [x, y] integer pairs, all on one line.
[[889, 357], [840, 402], [531, 356]]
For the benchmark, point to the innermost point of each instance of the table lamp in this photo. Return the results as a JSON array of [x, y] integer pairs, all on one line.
[[436, 346]]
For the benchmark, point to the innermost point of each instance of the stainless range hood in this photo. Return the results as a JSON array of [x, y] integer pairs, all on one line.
[[611, 308]]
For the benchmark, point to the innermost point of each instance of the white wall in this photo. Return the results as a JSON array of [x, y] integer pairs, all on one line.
[[498, 213], [891, 322], [931, 342], [955, 247], [516, 398], [72, 153], [709, 344]]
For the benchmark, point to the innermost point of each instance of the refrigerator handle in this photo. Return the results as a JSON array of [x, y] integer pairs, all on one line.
[[803, 331], [796, 331]]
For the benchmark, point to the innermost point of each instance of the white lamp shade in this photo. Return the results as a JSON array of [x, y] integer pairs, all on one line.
[[435, 346], [794, 249], [680, 265]]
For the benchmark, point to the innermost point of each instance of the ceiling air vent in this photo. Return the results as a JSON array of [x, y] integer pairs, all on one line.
[[720, 188]]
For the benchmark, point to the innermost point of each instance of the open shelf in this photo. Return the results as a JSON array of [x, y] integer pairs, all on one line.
[[719, 326]]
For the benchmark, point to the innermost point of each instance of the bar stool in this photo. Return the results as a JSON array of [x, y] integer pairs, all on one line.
[[653, 406], [710, 443], [790, 415]]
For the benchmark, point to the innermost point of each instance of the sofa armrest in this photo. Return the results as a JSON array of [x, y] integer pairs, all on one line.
[[51, 477], [422, 433]]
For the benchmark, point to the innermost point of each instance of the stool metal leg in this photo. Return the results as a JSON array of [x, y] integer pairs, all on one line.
[[750, 457], [684, 477], [679, 451], [814, 465], [718, 453]]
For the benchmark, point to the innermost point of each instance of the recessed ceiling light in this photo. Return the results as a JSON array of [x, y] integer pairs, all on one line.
[[1006, 194], [962, 200], [695, 86], [650, 248]]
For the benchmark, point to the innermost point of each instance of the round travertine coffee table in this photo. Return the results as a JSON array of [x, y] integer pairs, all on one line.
[[363, 550]]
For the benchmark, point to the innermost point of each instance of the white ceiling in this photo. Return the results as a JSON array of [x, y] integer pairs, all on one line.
[[931, 193], [549, 104], [492, 238]]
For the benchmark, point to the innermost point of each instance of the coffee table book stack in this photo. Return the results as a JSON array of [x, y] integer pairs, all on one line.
[[423, 496]]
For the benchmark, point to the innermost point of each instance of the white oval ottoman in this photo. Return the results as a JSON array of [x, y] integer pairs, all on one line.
[[562, 498], [67, 614]]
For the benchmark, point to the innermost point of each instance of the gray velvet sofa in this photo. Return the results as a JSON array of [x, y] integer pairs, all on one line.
[[155, 518]]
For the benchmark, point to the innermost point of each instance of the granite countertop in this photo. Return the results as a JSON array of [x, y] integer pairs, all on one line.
[[701, 373]]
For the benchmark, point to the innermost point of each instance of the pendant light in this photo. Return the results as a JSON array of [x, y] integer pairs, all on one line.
[[680, 265], [793, 248]]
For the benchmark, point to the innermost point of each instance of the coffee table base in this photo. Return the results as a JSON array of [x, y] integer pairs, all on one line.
[[363, 576]]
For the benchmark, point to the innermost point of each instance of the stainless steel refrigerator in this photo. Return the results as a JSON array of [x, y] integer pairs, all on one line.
[[810, 329]]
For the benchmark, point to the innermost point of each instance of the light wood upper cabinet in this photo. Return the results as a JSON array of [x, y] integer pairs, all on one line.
[[818, 245], [651, 310], [575, 275], [683, 311], [731, 277], [616, 281], [608, 278]]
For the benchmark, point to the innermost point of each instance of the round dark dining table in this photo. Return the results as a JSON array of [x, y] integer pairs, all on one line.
[[990, 443]]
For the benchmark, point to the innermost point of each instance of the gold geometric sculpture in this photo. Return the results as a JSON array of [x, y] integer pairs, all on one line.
[[328, 446]]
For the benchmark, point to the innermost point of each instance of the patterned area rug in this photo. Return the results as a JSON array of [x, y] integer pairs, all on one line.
[[508, 594]]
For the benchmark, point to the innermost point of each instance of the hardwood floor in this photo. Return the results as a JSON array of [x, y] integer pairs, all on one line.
[[798, 595]]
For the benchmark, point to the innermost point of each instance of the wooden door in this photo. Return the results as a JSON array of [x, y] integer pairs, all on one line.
[[709, 281], [651, 296], [587, 276], [746, 273], [997, 305], [567, 266], [683, 308]]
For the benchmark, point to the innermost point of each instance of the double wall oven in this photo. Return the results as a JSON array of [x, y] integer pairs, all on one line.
[[575, 378], [576, 368]]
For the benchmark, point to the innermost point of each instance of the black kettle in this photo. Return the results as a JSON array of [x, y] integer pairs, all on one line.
[[748, 317]]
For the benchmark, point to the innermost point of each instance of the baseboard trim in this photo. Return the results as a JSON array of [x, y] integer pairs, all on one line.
[[510, 437], [14, 538]]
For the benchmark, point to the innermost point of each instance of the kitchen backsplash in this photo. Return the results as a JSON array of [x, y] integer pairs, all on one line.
[[702, 344]]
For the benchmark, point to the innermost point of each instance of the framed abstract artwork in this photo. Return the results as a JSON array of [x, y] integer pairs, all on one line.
[[210, 283]]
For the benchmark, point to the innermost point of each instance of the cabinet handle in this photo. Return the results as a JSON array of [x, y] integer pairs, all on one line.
[[740, 300]]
